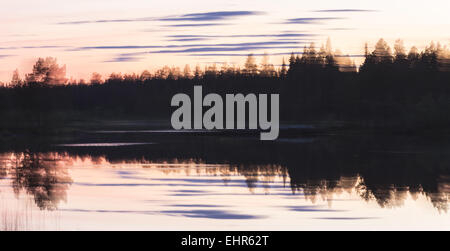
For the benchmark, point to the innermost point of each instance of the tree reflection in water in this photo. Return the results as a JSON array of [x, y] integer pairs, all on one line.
[[41, 176], [320, 173]]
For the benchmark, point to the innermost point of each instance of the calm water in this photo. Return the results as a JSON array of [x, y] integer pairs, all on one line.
[[157, 180]]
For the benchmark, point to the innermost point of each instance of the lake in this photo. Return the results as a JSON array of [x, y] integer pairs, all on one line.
[[159, 179]]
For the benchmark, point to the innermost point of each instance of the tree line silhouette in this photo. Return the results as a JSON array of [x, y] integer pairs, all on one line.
[[396, 90]]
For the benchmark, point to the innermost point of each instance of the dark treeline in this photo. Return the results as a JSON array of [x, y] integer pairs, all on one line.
[[392, 89]]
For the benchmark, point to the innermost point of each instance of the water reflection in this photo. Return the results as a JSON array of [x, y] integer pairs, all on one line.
[[203, 180], [45, 176], [38, 174]]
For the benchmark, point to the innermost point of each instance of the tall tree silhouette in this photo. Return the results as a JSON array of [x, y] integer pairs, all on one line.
[[47, 71], [250, 67]]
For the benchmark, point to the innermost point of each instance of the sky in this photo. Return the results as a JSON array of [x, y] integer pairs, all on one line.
[[108, 36]]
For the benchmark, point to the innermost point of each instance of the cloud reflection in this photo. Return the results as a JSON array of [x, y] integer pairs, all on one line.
[[213, 214]]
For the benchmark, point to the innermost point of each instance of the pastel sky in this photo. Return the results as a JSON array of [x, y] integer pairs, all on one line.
[[130, 36]]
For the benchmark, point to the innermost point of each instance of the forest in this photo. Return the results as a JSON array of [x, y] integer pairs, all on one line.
[[394, 89]]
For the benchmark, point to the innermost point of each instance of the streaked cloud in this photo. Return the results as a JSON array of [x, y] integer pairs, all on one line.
[[211, 51], [122, 47], [260, 43], [193, 17], [311, 20], [118, 47], [195, 25], [211, 16], [122, 59], [144, 19], [281, 35], [221, 49], [187, 39], [295, 39]]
